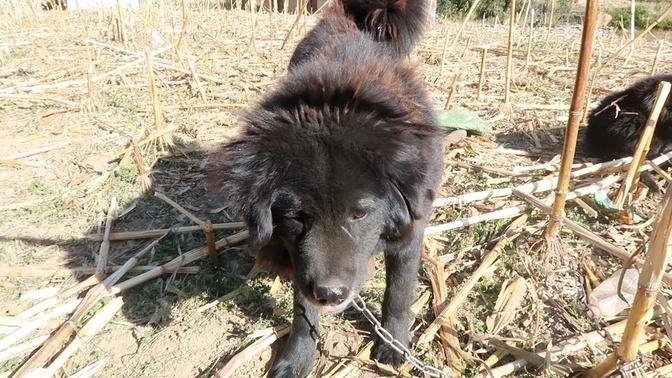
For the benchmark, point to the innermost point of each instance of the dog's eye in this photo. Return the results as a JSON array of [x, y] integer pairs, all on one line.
[[296, 217], [358, 214]]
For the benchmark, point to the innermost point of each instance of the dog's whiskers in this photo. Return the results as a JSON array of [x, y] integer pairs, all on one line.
[[347, 233]]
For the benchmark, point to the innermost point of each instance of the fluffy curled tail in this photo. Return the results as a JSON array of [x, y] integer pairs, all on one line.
[[398, 22]]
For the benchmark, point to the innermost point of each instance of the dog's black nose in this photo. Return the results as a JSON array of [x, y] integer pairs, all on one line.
[[330, 295]]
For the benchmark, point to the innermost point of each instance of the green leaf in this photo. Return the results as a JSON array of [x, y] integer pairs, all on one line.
[[463, 119]]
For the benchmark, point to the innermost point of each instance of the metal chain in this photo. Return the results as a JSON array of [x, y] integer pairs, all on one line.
[[359, 304]]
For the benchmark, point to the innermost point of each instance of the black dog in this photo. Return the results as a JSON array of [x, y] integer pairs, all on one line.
[[614, 127], [339, 162]]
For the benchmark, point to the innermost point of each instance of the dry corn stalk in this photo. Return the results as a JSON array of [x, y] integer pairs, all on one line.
[[552, 233], [435, 272], [148, 234], [509, 53], [647, 288], [461, 295], [90, 329], [104, 250], [256, 347], [508, 301], [163, 140], [65, 331]]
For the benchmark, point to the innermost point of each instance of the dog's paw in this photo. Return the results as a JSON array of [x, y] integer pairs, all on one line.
[[293, 362], [385, 354], [282, 369]]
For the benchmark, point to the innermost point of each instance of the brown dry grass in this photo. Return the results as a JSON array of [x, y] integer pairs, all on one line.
[[49, 200]]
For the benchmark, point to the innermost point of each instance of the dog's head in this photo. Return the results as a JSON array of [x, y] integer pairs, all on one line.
[[322, 193]]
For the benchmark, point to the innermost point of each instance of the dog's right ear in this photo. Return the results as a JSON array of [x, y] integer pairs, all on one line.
[[243, 178], [260, 224]]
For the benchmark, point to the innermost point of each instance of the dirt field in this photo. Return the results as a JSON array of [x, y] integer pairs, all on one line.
[[74, 99]]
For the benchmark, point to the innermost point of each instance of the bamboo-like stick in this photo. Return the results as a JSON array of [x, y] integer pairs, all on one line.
[[533, 358], [90, 101], [228, 296], [663, 371], [183, 30], [34, 152], [149, 139], [346, 368], [509, 212], [12, 321], [445, 49], [24, 347], [156, 104], [299, 11], [56, 272], [132, 262], [544, 184], [656, 59], [643, 144], [65, 331], [121, 35], [210, 242], [525, 9], [647, 288], [528, 56], [143, 178], [435, 273], [40, 294], [179, 208], [641, 35], [461, 295], [149, 234], [660, 171], [256, 347], [37, 322], [552, 232], [90, 329], [82, 82], [509, 53], [587, 235], [38, 308], [104, 250], [453, 89], [550, 21], [194, 75], [481, 74], [184, 259], [90, 370], [565, 348]]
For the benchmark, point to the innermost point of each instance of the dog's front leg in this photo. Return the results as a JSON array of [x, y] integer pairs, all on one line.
[[402, 262], [298, 354]]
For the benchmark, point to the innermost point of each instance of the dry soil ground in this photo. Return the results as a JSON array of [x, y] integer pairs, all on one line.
[[52, 198]]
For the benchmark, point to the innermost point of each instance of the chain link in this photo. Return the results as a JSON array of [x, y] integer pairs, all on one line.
[[359, 304]]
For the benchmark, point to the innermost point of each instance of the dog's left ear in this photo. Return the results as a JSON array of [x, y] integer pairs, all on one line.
[[405, 169]]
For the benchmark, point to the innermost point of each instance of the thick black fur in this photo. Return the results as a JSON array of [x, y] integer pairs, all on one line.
[[339, 162], [398, 24], [54, 4], [614, 127]]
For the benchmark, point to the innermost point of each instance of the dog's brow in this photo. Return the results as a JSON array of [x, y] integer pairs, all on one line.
[[366, 202]]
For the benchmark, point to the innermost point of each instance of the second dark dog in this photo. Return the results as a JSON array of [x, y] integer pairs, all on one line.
[[614, 127]]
